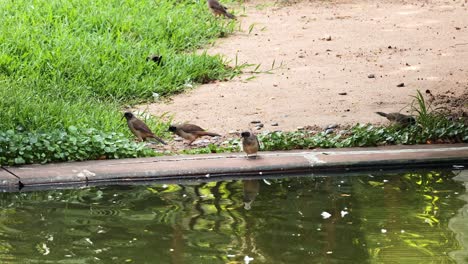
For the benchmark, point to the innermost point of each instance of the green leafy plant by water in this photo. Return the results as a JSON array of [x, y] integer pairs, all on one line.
[[432, 127], [72, 144]]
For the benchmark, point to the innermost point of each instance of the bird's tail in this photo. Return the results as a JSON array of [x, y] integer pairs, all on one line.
[[229, 15], [206, 133], [160, 140], [382, 114]]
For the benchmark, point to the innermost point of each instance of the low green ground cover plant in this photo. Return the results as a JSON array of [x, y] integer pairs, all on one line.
[[432, 127], [77, 63]]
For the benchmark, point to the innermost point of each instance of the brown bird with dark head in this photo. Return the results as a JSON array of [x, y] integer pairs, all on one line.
[[218, 9], [190, 132], [139, 128], [250, 143], [400, 119]]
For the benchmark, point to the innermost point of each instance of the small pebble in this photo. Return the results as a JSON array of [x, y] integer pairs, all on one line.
[[401, 85], [274, 124], [329, 131], [300, 128], [342, 93], [371, 76], [259, 125], [255, 122], [332, 126]]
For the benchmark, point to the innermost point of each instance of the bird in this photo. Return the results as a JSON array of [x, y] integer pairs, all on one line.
[[400, 119], [155, 58], [218, 9], [250, 143], [190, 132], [139, 128]]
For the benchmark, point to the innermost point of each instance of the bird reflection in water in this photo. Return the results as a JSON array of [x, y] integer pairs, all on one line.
[[251, 190]]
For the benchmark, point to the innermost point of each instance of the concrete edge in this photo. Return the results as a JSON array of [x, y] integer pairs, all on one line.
[[228, 165]]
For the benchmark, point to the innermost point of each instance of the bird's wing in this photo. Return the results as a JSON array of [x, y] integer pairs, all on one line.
[[141, 126], [216, 5], [190, 128]]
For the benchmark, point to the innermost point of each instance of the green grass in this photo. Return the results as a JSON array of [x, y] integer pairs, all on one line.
[[78, 62]]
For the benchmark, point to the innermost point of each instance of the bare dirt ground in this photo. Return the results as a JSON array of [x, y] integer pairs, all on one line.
[[329, 51]]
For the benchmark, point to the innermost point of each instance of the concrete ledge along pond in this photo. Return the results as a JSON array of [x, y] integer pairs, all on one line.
[[217, 166]]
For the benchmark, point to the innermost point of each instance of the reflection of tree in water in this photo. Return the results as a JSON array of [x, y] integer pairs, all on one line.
[[208, 222], [409, 216], [215, 207]]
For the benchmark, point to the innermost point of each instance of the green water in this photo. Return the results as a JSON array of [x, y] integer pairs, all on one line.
[[391, 218]]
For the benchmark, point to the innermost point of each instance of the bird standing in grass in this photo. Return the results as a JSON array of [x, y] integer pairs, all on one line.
[[400, 119], [139, 128], [155, 58], [218, 9], [190, 132], [250, 143]]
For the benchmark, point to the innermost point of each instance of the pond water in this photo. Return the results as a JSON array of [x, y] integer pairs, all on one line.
[[415, 217]]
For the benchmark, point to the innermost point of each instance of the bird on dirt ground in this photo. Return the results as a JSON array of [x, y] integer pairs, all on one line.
[[218, 9], [250, 143], [190, 132], [400, 119], [139, 128]]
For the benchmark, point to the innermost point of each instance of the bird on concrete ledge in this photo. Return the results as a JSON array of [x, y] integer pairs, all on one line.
[[250, 143]]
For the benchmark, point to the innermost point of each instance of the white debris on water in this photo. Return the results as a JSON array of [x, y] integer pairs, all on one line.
[[343, 213], [46, 249], [266, 182], [247, 259], [164, 186], [207, 175], [383, 230], [325, 215], [89, 241]]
